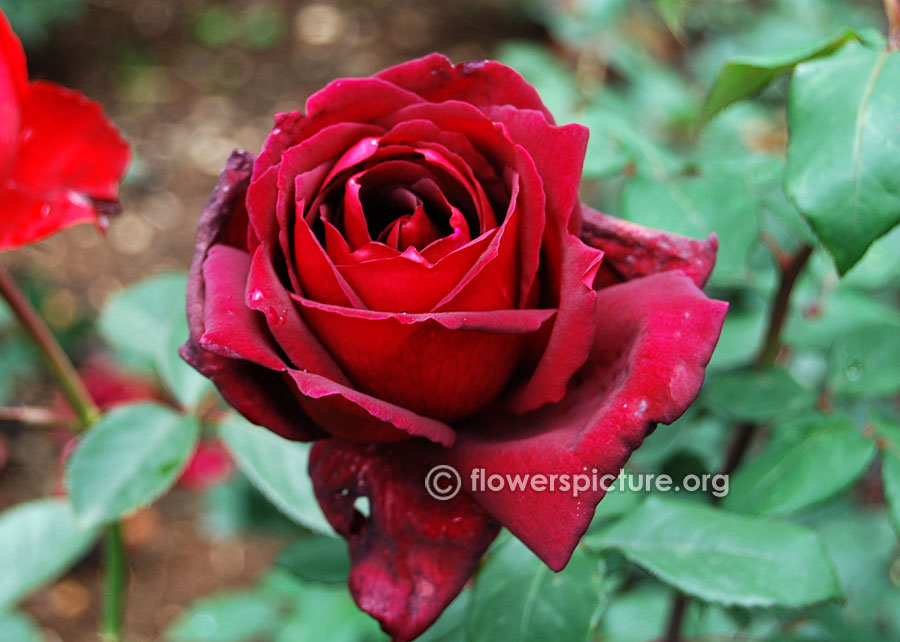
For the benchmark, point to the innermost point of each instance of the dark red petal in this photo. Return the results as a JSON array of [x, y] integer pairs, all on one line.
[[443, 365], [267, 294], [570, 266], [412, 554], [631, 251], [558, 154], [408, 283], [263, 396], [339, 102], [351, 414], [482, 84], [654, 338]]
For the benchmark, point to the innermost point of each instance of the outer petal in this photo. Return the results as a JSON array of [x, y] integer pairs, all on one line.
[[13, 88], [631, 251], [482, 84], [412, 554], [12, 58], [654, 338], [70, 160], [260, 394]]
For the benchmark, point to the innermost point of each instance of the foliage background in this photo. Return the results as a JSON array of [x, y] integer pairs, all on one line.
[[188, 81]]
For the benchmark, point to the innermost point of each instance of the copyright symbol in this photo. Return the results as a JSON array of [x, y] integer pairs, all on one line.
[[443, 482]]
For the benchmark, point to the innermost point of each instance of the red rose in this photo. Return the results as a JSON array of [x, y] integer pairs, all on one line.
[[60, 159], [405, 274]]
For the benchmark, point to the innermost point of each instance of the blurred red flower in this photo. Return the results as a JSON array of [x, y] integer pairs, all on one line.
[[61, 159]]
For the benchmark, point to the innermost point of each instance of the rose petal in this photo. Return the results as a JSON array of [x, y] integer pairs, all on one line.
[[338, 102], [261, 395], [412, 554], [68, 165], [654, 338], [12, 58], [558, 154], [483, 83], [631, 251], [266, 294], [571, 267], [67, 143], [443, 365], [409, 283], [13, 89]]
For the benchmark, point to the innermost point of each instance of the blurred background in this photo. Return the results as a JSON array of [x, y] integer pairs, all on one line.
[[187, 81]]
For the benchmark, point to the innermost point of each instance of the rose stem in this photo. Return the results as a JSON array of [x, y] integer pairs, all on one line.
[[892, 9], [56, 360], [115, 575], [37, 417], [73, 388], [790, 266]]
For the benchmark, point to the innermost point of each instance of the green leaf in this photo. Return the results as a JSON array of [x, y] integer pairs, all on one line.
[[187, 385], [745, 76], [756, 396], [723, 557], [317, 559], [328, 613], [451, 626], [673, 13], [864, 362], [38, 541], [278, 468], [130, 458], [889, 434], [135, 322], [18, 627], [788, 475], [519, 599], [843, 169], [696, 207], [230, 617]]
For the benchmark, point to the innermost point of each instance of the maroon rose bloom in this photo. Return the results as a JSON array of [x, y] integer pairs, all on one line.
[[405, 274]]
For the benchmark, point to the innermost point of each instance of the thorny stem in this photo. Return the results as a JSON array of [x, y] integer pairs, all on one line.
[[66, 376]]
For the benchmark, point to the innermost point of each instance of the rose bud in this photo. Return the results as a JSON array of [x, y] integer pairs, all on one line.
[[60, 158], [406, 275]]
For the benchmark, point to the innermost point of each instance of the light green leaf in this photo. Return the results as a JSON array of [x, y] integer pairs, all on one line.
[[889, 434], [843, 162], [278, 468], [18, 627], [130, 458], [864, 362], [187, 385], [745, 76], [696, 207], [519, 599], [328, 613], [38, 541], [756, 396], [228, 617], [135, 321], [673, 13], [317, 558], [788, 475], [724, 557]]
